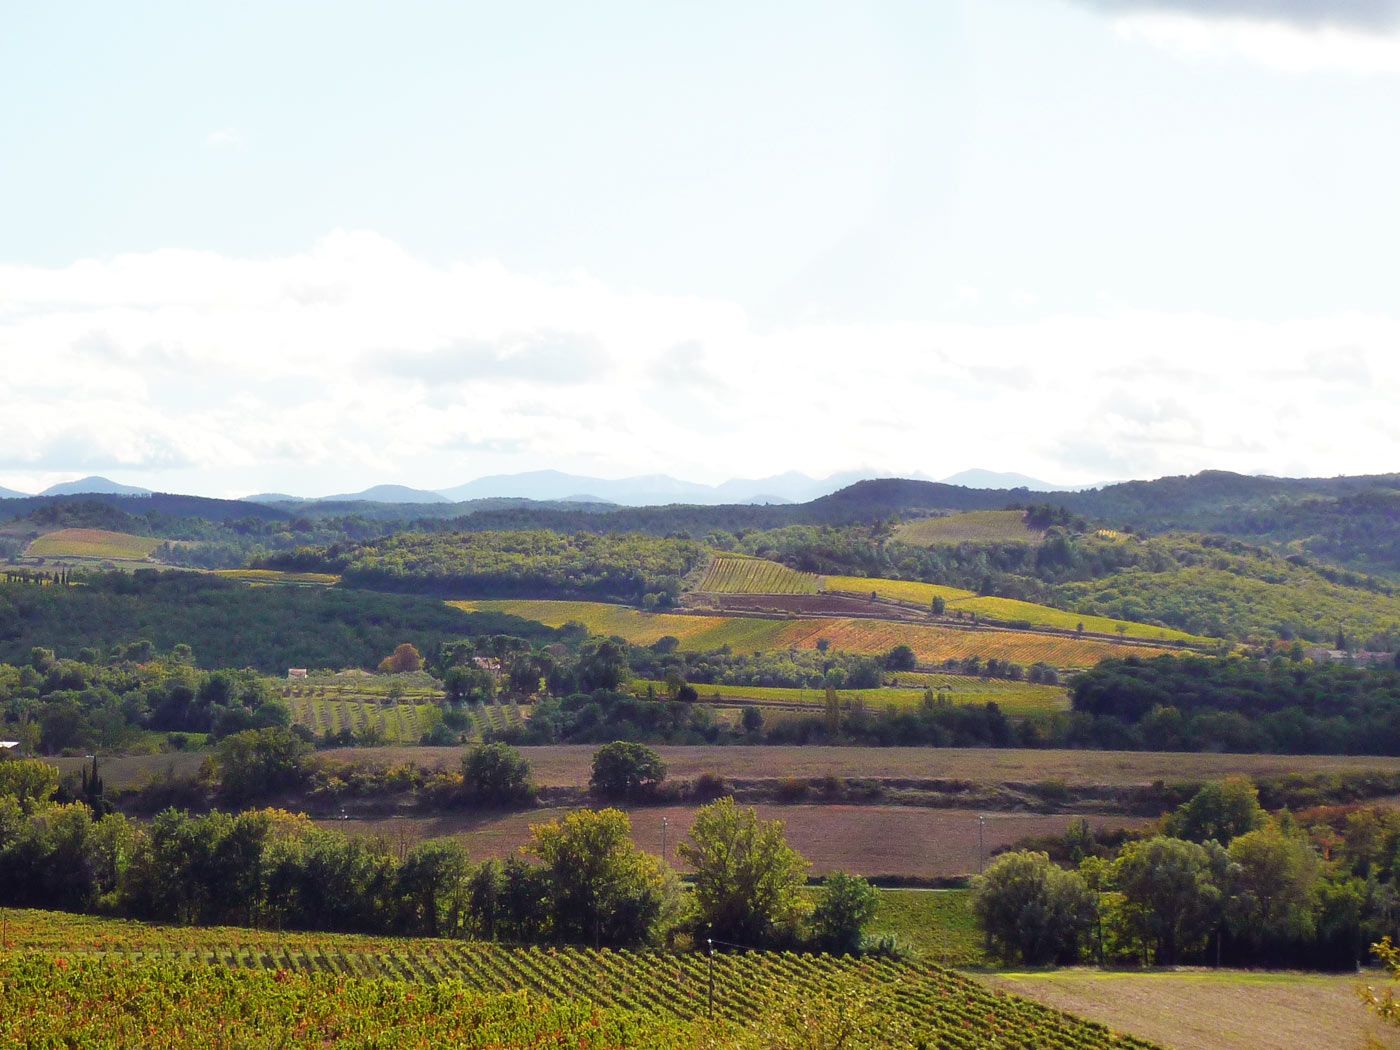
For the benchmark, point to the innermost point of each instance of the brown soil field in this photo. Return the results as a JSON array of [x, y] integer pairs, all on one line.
[[863, 840], [1207, 1010], [569, 765]]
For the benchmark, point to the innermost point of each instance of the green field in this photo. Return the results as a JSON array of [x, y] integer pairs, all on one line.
[[1003, 610], [973, 526], [93, 544], [730, 574], [126, 983], [1015, 698], [938, 925]]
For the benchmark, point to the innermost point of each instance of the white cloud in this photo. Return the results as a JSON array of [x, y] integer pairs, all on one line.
[[225, 138], [356, 362], [1276, 44]]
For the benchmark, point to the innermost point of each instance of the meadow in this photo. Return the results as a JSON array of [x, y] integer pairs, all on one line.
[[1014, 698], [733, 574], [66, 980], [1214, 1010], [92, 544], [932, 644], [973, 526], [938, 925]]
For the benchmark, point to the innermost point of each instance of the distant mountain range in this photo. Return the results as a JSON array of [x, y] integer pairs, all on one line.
[[645, 490], [94, 484]]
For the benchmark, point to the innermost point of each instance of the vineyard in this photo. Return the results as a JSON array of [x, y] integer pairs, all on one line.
[[111, 976], [1003, 610], [263, 576], [728, 574], [1014, 698], [395, 722], [932, 644], [695, 633], [973, 526], [97, 544]]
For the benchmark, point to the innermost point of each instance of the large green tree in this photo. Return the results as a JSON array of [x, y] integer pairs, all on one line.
[[601, 889], [1031, 910], [1170, 893], [748, 880]]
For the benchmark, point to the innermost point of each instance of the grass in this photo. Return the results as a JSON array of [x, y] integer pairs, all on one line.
[[1213, 1010], [732, 574], [96, 544], [932, 644], [1015, 698], [973, 526], [939, 925], [309, 579], [1004, 610]]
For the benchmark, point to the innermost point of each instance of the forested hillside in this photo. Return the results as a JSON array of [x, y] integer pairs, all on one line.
[[230, 624]]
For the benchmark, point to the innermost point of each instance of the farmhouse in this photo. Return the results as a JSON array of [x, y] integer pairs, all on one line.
[[296, 672]]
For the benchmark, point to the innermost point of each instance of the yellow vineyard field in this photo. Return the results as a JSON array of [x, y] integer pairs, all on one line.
[[1003, 609], [92, 543], [932, 644], [733, 575]]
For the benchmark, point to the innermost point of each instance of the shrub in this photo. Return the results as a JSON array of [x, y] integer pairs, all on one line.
[[496, 775], [624, 770]]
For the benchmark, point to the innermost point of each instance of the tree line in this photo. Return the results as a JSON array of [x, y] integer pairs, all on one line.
[[1220, 881], [580, 880]]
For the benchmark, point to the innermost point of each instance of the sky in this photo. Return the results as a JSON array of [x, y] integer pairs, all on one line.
[[309, 247]]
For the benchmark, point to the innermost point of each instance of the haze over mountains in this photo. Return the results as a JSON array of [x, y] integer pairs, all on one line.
[[553, 485]]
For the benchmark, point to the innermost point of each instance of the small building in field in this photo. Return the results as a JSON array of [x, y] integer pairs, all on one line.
[[296, 672], [487, 663]]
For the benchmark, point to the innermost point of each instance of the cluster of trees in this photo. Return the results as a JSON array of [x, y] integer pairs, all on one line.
[[808, 669], [627, 567], [1221, 882], [580, 880], [1174, 704], [106, 700], [229, 624]]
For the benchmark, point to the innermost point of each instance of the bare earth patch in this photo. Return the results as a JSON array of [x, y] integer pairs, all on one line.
[[1208, 1010], [568, 765], [863, 840]]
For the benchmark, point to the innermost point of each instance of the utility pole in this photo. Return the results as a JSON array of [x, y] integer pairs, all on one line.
[[981, 843], [663, 838]]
